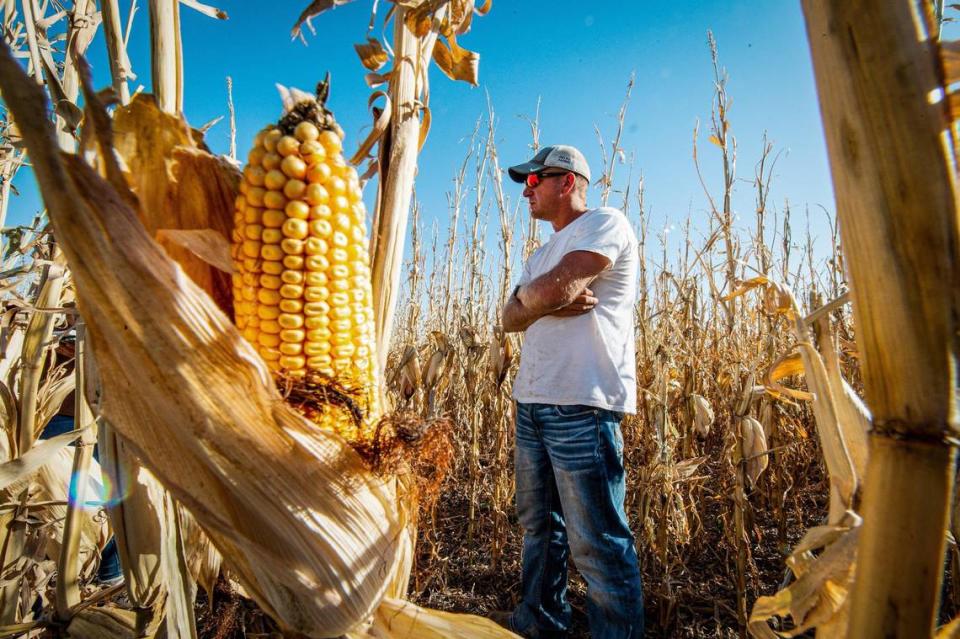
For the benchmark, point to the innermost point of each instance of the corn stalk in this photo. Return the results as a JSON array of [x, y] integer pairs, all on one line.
[[398, 166], [166, 61], [876, 66]]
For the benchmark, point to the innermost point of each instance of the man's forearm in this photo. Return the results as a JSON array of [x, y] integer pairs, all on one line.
[[517, 317]]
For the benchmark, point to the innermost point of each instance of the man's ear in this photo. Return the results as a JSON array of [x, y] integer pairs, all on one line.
[[569, 183]]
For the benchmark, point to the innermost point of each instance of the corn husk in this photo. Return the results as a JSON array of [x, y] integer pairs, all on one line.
[[313, 537]]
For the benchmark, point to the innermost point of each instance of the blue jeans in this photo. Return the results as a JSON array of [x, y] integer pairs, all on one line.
[[570, 494]]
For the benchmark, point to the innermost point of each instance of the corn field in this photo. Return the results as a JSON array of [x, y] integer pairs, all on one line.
[[302, 409]]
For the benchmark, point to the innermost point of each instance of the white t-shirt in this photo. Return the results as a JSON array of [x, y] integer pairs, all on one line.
[[586, 359]]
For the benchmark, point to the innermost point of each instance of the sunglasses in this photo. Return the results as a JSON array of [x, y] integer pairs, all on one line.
[[534, 179]]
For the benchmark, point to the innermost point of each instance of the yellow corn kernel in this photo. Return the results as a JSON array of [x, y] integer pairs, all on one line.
[[290, 320], [251, 334], [291, 306], [315, 246], [344, 350], [251, 248], [254, 175], [272, 268], [336, 186], [252, 215], [306, 131], [312, 349], [296, 229], [294, 335], [293, 262], [294, 167], [255, 195], [288, 145], [271, 252], [291, 348], [330, 141], [291, 291], [270, 326], [267, 312], [315, 322], [274, 180], [271, 161], [268, 296], [292, 362], [316, 194], [339, 255], [316, 308], [274, 200], [317, 263], [270, 281], [341, 205], [339, 300], [321, 363], [274, 219], [271, 236], [268, 340], [297, 209], [292, 277], [256, 154], [315, 278], [291, 246], [320, 335], [316, 293], [252, 231], [321, 228], [294, 189], [270, 139], [318, 173], [320, 212], [269, 354]]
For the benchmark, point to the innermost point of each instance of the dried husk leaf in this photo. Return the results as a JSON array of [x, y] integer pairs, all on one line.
[[754, 448], [207, 244], [702, 415], [272, 490], [179, 185]]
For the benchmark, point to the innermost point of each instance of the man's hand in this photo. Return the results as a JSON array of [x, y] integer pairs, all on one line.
[[582, 303]]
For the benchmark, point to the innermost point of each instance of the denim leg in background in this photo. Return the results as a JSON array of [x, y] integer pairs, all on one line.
[[543, 611], [575, 453], [109, 570]]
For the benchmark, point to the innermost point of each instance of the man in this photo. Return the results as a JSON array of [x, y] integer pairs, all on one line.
[[577, 378]]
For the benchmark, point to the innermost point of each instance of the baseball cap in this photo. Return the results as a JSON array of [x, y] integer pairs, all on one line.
[[560, 156]]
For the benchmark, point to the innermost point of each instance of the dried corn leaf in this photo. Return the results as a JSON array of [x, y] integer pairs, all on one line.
[[315, 8], [786, 366], [819, 596], [372, 54], [398, 619], [103, 622], [14, 473], [456, 62], [745, 287]]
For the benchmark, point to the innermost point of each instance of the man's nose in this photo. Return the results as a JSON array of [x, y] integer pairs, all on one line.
[[527, 191]]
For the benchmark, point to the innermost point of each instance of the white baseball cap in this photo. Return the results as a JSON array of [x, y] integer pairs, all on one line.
[[560, 156]]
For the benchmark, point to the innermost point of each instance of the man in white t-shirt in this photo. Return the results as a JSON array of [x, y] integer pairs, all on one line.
[[575, 304]]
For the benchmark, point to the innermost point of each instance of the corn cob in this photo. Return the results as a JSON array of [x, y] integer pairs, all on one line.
[[301, 282]]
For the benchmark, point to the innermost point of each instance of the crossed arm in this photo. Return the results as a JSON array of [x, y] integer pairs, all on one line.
[[562, 291]]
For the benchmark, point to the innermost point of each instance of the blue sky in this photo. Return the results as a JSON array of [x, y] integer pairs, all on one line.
[[576, 57]]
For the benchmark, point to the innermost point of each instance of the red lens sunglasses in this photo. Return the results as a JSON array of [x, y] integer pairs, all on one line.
[[534, 179]]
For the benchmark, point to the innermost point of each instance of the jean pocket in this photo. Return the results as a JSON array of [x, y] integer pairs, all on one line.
[[574, 410]]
